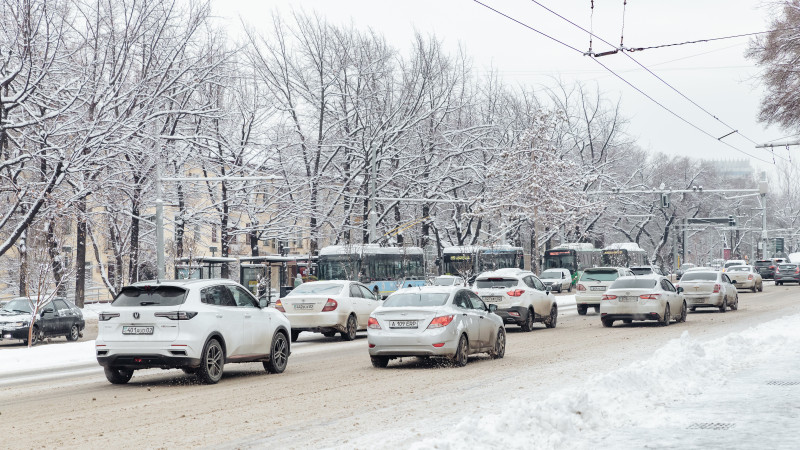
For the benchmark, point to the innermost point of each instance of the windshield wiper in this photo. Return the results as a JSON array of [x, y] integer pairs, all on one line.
[[591, 279], [21, 311]]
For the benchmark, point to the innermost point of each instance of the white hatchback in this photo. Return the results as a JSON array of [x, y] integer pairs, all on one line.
[[329, 307], [194, 325], [646, 297]]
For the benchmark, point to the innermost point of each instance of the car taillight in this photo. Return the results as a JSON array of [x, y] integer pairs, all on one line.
[[717, 288], [608, 297], [581, 287], [330, 305], [750, 277], [649, 296], [797, 270], [106, 316], [279, 306], [373, 323], [176, 315], [441, 321], [516, 292], [771, 267]]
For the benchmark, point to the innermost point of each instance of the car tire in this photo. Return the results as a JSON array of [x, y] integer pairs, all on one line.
[[735, 305], [527, 325], [461, 357], [582, 310], [607, 323], [74, 333], [560, 289], [724, 305], [597, 309], [692, 309], [278, 354], [761, 286], [552, 319], [36, 336], [212, 362], [682, 318], [627, 321], [754, 288], [351, 328], [295, 334], [569, 289], [666, 319], [379, 362], [118, 376], [499, 344]]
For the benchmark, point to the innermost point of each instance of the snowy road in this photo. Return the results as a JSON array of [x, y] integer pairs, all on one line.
[[330, 396]]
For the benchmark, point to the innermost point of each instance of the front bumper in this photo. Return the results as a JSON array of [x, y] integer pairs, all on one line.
[[14, 332], [394, 344]]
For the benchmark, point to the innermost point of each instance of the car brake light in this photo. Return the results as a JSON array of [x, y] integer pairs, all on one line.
[[107, 316], [581, 287], [373, 323], [279, 306], [649, 296], [771, 267], [608, 297], [716, 288], [516, 292], [330, 305], [176, 315], [750, 277], [797, 270], [441, 321]]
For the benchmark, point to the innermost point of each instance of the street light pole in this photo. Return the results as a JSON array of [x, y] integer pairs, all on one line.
[[161, 270]]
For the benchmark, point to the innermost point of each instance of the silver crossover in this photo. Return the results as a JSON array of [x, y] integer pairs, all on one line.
[[448, 321]]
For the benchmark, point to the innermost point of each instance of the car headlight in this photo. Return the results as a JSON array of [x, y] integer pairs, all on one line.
[[17, 324]]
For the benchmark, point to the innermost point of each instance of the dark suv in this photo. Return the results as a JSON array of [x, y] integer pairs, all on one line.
[[766, 267], [787, 273]]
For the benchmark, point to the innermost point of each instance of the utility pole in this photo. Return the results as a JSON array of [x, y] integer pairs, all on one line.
[[762, 190]]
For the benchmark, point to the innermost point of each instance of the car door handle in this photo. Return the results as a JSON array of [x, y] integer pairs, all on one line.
[[247, 316], [219, 316]]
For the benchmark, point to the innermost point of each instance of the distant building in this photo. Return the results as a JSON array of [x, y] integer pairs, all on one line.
[[734, 168]]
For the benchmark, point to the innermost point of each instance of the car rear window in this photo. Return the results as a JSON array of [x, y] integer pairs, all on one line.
[[642, 283], [444, 281], [551, 274], [787, 266], [739, 269], [600, 275], [763, 263], [699, 276], [416, 299], [641, 271], [150, 296], [316, 289], [496, 283]]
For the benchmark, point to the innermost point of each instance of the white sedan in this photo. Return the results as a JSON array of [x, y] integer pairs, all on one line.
[[434, 321], [329, 307], [642, 298], [745, 277]]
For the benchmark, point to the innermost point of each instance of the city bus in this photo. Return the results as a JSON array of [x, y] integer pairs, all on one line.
[[460, 260], [624, 254], [500, 257], [572, 256], [382, 269]]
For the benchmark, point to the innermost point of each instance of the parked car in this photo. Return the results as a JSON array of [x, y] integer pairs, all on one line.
[[765, 267], [646, 270], [787, 273], [195, 325], [448, 321], [329, 307], [733, 262], [642, 298], [58, 317], [593, 284], [520, 296], [449, 280], [682, 269], [557, 279], [709, 289], [745, 277]]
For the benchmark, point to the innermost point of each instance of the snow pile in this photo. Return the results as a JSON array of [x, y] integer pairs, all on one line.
[[637, 395], [92, 310], [43, 356]]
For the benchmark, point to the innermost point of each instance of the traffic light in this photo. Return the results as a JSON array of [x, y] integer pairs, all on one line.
[[665, 201], [731, 221]]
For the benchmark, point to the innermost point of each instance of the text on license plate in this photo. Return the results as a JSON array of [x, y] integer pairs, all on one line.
[[403, 324], [303, 305], [628, 298], [137, 330], [493, 299], [597, 288]]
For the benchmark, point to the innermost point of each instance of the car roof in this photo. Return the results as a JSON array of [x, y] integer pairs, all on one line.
[[649, 276], [509, 272], [592, 269], [430, 289]]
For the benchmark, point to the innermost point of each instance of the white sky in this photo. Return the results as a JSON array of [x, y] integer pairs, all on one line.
[[714, 75]]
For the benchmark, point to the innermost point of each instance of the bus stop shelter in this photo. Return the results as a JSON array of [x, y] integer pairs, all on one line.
[[200, 268], [256, 272]]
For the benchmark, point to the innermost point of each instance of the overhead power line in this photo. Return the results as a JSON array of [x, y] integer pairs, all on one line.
[[734, 130], [699, 41]]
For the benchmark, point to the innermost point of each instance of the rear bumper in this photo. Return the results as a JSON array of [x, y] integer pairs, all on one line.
[[745, 284], [701, 301], [516, 314], [318, 321], [393, 344], [642, 316], [147, 361], [785, 279]]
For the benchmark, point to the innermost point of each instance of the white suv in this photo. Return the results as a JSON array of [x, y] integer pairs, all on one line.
[[593, 284], [194, 325], [520, 296]]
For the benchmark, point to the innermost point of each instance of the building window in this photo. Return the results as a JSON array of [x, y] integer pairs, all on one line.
[[214, 237]]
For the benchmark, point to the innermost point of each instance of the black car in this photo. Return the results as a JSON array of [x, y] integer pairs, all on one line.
[[57, 318], [787, 273], [766, 267]]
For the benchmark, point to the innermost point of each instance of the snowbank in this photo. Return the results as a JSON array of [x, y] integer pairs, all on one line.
[[635, 396], [44, 356]]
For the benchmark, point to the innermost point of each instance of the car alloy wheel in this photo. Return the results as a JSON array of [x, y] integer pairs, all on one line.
[[213, 362], [528, 324], [36, 335], [499, 344], [553, 318], [278, 355], [350, 331], [666, 319], [74, 333], [735, 304], [460, 358]]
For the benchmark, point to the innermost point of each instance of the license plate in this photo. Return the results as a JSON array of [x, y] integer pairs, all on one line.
[[303, 305], [597, 288], [137, 330], [403, 324], [492, 299], [628, 298]]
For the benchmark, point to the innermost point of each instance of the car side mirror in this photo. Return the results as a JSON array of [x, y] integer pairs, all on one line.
[[680, 289], [492, 307], [264, 302], [48, 311]]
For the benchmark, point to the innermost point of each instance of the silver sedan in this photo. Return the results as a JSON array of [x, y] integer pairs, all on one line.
[[451, 322]]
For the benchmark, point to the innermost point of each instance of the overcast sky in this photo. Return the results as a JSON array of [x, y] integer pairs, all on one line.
[[715, 75]]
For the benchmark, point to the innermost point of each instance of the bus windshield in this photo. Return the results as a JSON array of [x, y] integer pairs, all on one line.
[[338, 267], [561, 259], [493, 260]]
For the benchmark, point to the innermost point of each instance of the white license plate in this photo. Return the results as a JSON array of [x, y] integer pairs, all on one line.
[[627, 298], [137, 330], [303, 305], [403, 324], [493, 299], [597, 288]]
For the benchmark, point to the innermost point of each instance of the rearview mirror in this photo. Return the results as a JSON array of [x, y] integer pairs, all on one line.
[[492, 307]]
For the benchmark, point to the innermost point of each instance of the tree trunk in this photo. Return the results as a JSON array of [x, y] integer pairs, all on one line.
[[181, 223], [56, 260], [80, 254], [23, 264]]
